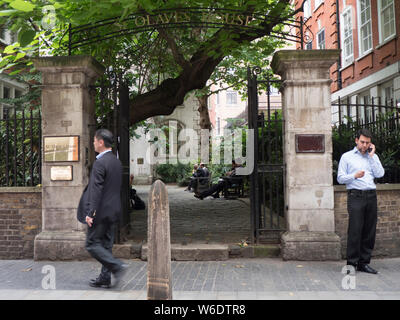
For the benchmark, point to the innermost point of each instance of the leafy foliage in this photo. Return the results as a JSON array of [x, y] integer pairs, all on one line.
[[386, 136], [167, 61]]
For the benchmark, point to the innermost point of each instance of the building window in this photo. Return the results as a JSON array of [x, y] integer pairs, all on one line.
[[347, 37], [321, 39], [231, 97], [365, 29], [17, 93], [386, 92], [218, 126], [307, 9], [6, 93], [387, 25]]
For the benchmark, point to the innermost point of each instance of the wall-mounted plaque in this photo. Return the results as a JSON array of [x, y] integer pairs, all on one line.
[[61, 148], [310, 143], [61, 173], [140, 160]]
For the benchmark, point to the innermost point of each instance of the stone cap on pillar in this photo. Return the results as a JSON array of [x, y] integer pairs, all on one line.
[[86, 64], [301, 59]]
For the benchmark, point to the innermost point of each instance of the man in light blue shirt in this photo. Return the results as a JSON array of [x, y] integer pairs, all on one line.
[[357, 169]]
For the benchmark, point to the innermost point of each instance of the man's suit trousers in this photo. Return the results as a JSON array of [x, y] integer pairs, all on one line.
[[362, 209], [99, 243]]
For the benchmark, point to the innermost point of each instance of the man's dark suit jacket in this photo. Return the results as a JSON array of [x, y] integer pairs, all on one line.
[[103, 193]]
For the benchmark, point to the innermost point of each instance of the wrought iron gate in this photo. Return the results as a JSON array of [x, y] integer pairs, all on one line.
[[267, 178], [112, 113]]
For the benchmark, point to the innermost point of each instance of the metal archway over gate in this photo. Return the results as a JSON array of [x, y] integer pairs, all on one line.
[[217, 18]]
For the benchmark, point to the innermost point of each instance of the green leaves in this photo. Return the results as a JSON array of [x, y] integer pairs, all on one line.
[[25, 37], [22, 5], [5, 13]]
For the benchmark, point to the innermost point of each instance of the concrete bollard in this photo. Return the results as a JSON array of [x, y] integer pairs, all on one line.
[[159, 280]]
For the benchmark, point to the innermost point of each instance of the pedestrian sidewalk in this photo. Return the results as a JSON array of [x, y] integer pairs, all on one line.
[[235, 279]]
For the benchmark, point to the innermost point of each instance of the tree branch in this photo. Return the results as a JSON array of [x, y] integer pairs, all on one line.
[[178, 56]]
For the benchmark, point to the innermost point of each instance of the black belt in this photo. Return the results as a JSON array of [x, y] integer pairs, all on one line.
[[361, 192]]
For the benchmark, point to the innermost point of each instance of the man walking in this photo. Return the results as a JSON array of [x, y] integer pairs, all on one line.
[[104, 209], [357, 169]]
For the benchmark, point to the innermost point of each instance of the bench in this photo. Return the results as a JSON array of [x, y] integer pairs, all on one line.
[[203, 184], [234, 187]]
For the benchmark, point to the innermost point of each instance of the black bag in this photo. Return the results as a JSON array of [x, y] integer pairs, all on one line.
[[136, 202]]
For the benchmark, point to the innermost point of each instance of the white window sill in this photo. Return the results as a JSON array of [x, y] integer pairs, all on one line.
[[386, 41], [346, 65], [365, 54]]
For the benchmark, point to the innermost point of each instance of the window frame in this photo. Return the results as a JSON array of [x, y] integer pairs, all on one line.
[[307, 9], [347, 59], [228, 102], [361, 50], [380, 22], [318, 43]]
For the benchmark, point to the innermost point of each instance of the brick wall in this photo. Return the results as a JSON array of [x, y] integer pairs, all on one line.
[[20, 221], [388, 228]]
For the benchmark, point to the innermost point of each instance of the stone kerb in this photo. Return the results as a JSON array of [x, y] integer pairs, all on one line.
[[67, 110], [309, 196]]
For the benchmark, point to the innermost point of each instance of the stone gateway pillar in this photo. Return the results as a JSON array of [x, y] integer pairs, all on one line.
[[309, 195], [67, 152]]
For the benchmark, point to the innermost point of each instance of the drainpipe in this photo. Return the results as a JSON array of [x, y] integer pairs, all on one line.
[[339, 64]]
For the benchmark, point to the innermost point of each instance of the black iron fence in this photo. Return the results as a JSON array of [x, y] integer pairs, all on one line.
[[20, 145], [382, 118]]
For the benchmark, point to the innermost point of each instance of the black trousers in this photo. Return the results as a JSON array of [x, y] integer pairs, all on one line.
[[362, 209], [99, 243], [215, 189]]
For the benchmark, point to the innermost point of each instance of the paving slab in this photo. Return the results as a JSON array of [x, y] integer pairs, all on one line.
[[244, 279]]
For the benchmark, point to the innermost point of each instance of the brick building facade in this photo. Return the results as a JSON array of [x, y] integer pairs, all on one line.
[[367, 33]]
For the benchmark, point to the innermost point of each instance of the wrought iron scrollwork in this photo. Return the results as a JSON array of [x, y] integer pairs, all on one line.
[[83, 35]]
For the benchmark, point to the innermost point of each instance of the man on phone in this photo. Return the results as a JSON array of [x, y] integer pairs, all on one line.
[[357, 169]]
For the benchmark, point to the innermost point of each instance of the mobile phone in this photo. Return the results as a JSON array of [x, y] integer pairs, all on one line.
[[369, 149]]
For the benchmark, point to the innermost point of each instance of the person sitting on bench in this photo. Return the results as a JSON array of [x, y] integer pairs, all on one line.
[[216, 189], [197, 173], [205, 169]]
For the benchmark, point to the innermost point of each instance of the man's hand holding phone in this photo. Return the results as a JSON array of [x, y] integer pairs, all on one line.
[[371, 150]]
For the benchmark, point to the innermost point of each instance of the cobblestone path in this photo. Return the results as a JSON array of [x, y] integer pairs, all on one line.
[[193, 220]]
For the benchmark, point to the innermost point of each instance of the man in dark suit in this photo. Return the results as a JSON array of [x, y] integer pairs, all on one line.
[[102, 205]]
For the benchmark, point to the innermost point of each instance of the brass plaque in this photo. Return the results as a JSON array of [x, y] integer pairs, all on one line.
[[140, 160], [61, 173], [61, 148], [310, 143]]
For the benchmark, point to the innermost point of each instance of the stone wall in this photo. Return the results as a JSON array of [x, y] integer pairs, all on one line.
[[20, 221], [388, 229]]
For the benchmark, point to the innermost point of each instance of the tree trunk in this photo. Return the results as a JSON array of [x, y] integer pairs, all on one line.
[[205, 122]]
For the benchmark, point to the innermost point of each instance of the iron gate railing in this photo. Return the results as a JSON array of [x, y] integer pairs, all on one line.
[[267, 179], [20, 145], [112, 113], [382, 117]]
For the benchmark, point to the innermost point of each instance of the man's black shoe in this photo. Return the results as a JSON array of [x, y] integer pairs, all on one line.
[[366, 268], [100, 283], [198, 196], [118, 275], [215, 196]]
